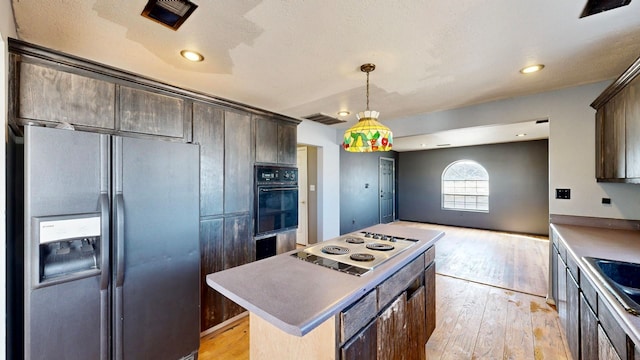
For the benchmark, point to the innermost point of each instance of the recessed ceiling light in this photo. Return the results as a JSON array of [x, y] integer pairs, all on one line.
[[192, 55], [343, 113], [532, 69], [423, 145], [521, 135]]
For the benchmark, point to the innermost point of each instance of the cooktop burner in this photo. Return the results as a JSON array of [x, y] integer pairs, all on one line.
[[335, 250], [355, 253], [380, 246], [362, 257], [353, 240]]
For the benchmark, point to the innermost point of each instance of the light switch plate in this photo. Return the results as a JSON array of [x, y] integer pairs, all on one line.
[[563, 193]]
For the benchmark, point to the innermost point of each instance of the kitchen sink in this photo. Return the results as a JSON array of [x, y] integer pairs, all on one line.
[[622, 279]]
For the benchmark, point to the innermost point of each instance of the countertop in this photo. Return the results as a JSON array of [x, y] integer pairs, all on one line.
[[621, 245], [297, 296]]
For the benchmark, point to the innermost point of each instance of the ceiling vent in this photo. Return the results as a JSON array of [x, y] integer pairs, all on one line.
[[598, 6], [324, 119], [170, 13]]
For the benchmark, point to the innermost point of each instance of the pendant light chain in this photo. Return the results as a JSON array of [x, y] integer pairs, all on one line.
[[367, 90]]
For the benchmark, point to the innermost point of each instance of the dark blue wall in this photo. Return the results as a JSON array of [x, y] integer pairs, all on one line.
[[518, 186], [358, 203]]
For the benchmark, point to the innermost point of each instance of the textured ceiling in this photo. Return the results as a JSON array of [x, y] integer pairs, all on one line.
[[303, 57]]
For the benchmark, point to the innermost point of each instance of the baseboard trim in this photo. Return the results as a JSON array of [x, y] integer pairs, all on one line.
[[224, 326]]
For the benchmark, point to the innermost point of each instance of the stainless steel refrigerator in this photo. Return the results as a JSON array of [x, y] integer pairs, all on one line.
[[105, 253]]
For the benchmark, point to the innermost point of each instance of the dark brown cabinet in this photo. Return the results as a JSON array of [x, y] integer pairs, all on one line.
[[50, 94], [430, 299], [212, 260], [208, 131], [151, 113], [276, 141], [363, 345], [618, 129], [238, 165], [392, 330]]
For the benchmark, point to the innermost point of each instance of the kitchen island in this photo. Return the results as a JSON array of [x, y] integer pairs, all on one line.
[[300, 310]]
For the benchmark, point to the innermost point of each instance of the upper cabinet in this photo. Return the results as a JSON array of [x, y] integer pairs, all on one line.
[[276, 141], [618, 129], [49, 94], [151, 113]]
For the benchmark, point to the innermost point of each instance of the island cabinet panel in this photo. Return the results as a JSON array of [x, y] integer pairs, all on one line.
[[52, 95], [392, 339], [363, 345], [606, 351], [146, 112], [238, 250], [588, 331], [632, 125], [208, 131], [399, 282], [266, 140], [430, 299], [416, 330], [211, 250], [357, 316], [238, 164], [287, 143]]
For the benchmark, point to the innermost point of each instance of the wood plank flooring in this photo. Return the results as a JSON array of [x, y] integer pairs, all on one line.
[[490, 292]]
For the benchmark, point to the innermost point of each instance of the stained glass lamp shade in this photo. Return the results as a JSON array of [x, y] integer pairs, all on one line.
[[368, 134]]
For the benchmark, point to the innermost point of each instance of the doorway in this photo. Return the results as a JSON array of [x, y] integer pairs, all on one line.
[[387, 190], [302, 233]]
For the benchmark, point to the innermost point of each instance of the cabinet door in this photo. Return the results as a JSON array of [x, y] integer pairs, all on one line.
[[285, 241], [363, 345], [151, 113], [208, 131], [212, 260], [430, 300], [606, 350], [561, 301], [416, 330], [613, 330], [53, 95], [238, 250], [600, 143], [266, 140], [613, 148], [588, 331], [238, 167], [287, 144], [572, 329], [391, 325], [632, 125]]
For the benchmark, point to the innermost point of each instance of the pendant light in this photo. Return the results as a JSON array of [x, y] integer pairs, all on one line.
[[368, 134]]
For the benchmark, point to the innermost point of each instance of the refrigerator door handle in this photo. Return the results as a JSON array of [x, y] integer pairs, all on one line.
[[118, 316], [104, 279]]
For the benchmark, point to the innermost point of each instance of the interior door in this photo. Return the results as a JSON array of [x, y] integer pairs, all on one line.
[[157, 270], [387, 190], [303, 203]]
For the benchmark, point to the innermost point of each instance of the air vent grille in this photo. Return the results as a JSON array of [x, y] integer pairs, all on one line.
[[170, 13], [324, 119]]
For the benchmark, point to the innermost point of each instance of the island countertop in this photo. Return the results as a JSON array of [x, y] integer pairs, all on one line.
[[297, 296]]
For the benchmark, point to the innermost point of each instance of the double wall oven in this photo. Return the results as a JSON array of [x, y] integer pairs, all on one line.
[[276, 199]]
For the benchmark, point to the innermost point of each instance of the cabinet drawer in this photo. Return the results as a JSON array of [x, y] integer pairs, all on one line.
[[573, 268], [429, 256], [399, 282], [590, 294], [614, 332], [357, 316]]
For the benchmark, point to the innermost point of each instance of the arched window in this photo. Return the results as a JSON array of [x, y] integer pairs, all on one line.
[[465, 186]]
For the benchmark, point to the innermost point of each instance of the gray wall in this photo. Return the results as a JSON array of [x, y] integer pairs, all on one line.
[[358, 203], [518, 186]]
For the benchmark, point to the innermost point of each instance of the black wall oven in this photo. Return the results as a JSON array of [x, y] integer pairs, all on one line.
[[276, 199]]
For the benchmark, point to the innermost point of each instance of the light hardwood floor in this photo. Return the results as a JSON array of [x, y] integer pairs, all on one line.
[[490, 301]]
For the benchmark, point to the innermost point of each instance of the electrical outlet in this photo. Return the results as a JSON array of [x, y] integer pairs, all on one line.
[[563, 193]]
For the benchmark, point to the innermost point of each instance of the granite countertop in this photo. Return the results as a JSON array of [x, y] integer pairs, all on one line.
[[621, 245], [297, 296]]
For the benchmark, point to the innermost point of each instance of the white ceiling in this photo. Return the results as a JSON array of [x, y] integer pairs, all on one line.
[[303, 57]]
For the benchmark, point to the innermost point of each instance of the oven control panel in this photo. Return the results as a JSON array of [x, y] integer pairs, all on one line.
[[276, 175]]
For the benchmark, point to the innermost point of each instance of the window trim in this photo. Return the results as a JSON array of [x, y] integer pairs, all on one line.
[[465, 194]]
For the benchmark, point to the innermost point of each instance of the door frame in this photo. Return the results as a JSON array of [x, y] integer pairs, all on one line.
[[393, 187]]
